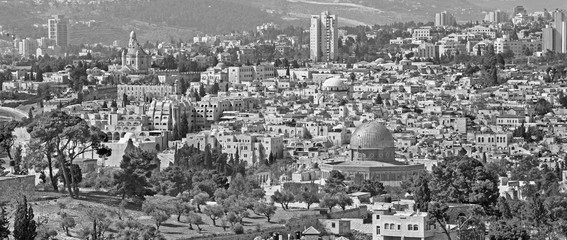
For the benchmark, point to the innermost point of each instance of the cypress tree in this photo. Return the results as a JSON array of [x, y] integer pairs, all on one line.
[[184, 126], [208, 157], [202, 92], [236, 157], [4, 223], [175, 132], [215, 88], [271, 158], [24, 225]]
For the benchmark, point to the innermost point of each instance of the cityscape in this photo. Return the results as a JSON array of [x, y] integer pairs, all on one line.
[[442, 129]]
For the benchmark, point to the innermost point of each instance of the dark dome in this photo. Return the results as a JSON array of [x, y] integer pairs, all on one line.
[[371, 135]]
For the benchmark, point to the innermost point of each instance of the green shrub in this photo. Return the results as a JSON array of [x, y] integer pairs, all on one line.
[[238, 228]]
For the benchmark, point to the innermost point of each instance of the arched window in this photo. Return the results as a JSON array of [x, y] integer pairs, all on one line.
[[415, 227], [410, 227], [386, 225]]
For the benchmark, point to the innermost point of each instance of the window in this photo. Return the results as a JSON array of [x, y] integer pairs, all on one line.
[[333, 225], [410, 227], [377, 229], [399, 227], [386, 226], [377, 216], [415, 227]]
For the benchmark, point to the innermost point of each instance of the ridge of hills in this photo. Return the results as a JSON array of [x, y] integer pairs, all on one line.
[[164, 20]]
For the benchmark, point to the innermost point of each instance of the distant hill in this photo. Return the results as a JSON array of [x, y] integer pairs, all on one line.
[[215, 16], [370, 12], [181, 19], [530, 5], [155, 19]]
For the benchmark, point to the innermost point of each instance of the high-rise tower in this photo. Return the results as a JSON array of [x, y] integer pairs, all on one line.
[[555, 36], [323, 37], [444, 19], [58, 30]]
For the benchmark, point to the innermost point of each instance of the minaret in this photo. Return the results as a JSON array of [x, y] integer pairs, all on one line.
[[137, 60], [124, 63]]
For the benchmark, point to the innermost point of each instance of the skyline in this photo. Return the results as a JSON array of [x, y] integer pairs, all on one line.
[[249, 126]]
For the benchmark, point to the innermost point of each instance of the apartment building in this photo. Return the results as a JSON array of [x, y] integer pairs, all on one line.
[[324, 37]]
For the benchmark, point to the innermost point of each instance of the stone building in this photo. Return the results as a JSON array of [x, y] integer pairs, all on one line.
[[135, 58], [372, 155]]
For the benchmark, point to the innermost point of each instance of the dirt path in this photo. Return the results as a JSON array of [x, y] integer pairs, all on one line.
[[338, 4], [342, 20]]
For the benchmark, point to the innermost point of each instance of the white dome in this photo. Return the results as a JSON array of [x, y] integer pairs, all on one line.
[[333, 82]]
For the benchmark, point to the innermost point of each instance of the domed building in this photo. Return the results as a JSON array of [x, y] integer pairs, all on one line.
[[334, 85], [372, 155], [332, 88], [135, 58], [372, 141]]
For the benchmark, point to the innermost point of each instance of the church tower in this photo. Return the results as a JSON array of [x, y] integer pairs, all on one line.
[[135, 57]]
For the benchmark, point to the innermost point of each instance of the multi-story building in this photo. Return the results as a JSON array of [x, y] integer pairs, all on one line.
[[533, 44], [548, 40], [240, 74], [27, 47], [510, 120], [555, 36], [423, 33], [517, 47], [427, 50], [492, 142], [58, 30], [444, 18], [146, 93], [459, 124], [392, 222], [252, 148], [486, 32], [560, 31], [505, 44], [496, 17], [56, 77], [263, 72], [23, 86], [452, 48], [164, 115], [217, 74], [324, 37]]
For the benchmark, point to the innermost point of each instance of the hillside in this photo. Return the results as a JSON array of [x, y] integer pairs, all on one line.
[[530, 5], [154, 20], [162, 20], [370, 12]]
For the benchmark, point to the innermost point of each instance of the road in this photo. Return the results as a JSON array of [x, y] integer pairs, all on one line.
[[11, 112], [338, 4], [342, 20]]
